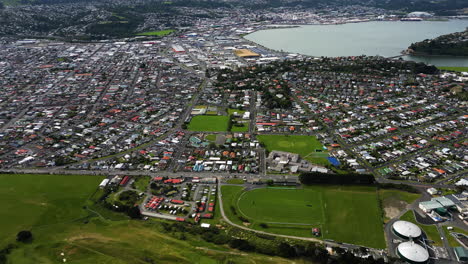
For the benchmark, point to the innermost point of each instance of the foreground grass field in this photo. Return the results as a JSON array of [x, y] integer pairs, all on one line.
[[52, 207], [459, 69], [308, 147], [33, 201], [347, 214], [209, 123], [157, 33]]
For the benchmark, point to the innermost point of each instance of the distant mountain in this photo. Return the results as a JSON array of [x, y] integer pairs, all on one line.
[[414, 5]]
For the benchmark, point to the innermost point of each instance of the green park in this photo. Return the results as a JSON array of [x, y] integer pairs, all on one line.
[[160, 33], [308, 147], [458, 69], [211, 123], [350, 214]]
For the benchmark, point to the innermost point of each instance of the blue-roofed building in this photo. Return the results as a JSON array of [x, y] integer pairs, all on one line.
[[334, 161]]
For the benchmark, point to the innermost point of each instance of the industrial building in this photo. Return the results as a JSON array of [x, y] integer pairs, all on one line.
[[246, 53], [461, 253], [438, 204]]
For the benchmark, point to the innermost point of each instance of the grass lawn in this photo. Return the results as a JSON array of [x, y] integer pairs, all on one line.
[[211, 137], [459, 69], [235, 181], [430, 230], [353, 215], [243, 128], [209, 123], [230, 195], [51, 206], [395, 201], [141, 183], [347, 214], [307, 146], [107, 242], [31, 201], [282, 205], [232, 111], [160, 33], [452, 241]]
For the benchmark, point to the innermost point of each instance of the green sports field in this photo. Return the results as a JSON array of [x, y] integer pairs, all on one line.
[[308, 147], [160, 33], [290, 206], [348, 214], [209, 123], [241, 129], [459, 69]]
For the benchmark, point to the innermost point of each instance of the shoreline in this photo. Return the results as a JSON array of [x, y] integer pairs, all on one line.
[[416, 54], [402, 54]]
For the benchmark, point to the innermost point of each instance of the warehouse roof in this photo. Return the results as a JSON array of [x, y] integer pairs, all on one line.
[[244, 53]]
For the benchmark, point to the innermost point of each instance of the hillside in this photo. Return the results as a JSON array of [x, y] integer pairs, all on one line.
[[455, 44], [444, 7], [53, 208]]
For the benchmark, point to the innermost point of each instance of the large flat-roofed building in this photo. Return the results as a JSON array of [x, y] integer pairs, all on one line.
[[178, 49], [436, 203], [246, 53]]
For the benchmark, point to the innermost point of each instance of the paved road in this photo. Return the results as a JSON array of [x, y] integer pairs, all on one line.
[[445, 242]]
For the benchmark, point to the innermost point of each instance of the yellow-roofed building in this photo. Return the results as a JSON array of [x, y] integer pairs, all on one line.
[[245, 53]]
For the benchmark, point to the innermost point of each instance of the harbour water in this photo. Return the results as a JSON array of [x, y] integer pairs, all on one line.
[[384, 38]]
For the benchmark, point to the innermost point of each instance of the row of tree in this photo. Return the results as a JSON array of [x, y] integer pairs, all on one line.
[[309, 178]]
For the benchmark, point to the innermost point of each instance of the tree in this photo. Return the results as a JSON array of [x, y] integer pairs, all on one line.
[[241, 244], [5, 252], [134, 212], [285, 250], [24, 236]]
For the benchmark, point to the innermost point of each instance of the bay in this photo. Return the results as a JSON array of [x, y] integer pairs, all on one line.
[[384, 38]]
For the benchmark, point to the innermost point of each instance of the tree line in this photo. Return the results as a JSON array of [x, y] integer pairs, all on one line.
[[309, 178], [307, 251]]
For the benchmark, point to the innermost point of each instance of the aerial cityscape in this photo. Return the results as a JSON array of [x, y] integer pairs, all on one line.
[[226, 131]]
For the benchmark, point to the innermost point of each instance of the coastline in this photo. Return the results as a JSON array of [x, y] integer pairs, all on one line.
[[402, 53], [422, 54]]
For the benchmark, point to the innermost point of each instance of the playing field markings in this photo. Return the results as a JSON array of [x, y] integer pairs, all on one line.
[[238, 207], [282, 188], [281, 223], [324, 205]]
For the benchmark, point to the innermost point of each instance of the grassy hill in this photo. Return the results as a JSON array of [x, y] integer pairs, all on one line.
[[52, 207]]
